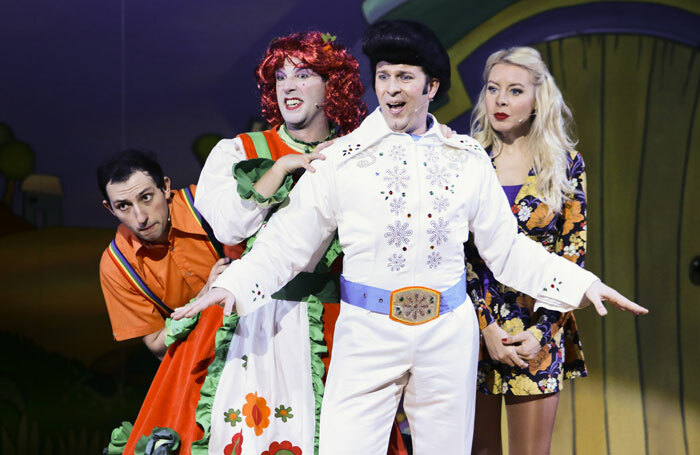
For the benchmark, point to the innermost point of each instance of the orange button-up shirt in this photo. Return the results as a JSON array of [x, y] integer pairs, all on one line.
[[175, 272]]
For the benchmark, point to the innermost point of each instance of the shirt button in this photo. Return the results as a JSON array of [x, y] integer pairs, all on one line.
[[188, 273]]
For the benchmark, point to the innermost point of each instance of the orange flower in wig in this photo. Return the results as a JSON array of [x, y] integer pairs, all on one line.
[[256, 413]]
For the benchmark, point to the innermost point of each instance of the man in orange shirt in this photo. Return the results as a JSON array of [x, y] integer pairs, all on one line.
[[161, 256]]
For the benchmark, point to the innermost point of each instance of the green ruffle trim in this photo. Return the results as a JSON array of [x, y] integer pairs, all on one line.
[[302, 146], [118, 439], [334, 250], [251, 240], [162, 441], [248, 172], [177, 330], [223, 341], [206, 397], [318, 369]]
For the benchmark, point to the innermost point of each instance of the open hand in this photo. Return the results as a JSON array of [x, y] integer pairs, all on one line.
[[215, 296], [599, 292], [216, 270], [287, 164]]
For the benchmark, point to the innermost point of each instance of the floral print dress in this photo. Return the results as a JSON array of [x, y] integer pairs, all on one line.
[[561, 356]]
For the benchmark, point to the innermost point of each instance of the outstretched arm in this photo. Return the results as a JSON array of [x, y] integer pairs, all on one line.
[[215, 296], [599, 292], [525, 265], [283, 248]]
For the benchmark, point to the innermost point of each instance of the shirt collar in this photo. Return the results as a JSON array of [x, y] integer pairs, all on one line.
[[374, 128]]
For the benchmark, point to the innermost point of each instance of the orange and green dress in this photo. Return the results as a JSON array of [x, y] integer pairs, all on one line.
[[259, 380]]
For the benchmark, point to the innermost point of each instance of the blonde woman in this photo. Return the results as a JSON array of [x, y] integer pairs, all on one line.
[[523, 122]]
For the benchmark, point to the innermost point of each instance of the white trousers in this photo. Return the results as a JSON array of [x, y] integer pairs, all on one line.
[[376, 359]]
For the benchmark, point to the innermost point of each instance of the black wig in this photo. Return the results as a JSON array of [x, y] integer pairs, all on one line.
[[408, 43]]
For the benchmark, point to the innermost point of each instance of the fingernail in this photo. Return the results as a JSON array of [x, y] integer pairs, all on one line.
[[504, 339]]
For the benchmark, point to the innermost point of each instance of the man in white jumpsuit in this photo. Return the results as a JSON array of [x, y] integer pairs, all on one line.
[[403, 199]]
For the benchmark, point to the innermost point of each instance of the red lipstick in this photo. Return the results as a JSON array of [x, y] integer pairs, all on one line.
[[501, 116], [295, 103]]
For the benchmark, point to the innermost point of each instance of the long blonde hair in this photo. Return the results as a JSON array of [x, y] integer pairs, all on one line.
[[550, 138]]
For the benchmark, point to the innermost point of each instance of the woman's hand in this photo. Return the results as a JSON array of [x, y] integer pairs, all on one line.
[[525, 343], [215, 296], [494, 337], [218, 268], [599, 292]]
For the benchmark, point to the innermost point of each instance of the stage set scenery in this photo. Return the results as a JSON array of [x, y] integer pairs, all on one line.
[[361, 227]]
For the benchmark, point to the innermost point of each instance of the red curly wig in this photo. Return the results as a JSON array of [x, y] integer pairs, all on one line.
[[344, 106]]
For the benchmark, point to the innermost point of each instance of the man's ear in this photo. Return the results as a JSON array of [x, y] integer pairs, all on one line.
[[108, 206], [433, 87], [166, 186]]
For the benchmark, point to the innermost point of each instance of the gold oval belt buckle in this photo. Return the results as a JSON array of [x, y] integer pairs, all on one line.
[[414, 305]]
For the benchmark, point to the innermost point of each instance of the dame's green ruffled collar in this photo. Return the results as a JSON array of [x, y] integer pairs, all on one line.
[[298, 144]]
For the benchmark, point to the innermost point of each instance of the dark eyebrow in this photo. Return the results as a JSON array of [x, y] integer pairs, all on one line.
[[124, 201]]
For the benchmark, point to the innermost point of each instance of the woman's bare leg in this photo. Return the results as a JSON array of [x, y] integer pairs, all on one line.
[[487, 425], [530, 423]]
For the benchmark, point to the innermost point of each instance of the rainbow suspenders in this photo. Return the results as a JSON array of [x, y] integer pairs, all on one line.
[[133, 277]]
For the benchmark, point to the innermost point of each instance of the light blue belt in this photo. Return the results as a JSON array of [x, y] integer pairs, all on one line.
[[377, 299]]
